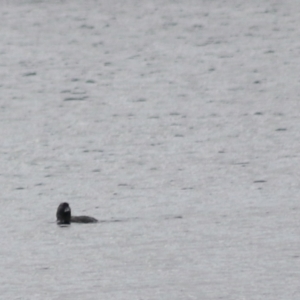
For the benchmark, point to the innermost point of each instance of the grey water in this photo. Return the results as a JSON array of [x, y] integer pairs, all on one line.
[[177, 119]]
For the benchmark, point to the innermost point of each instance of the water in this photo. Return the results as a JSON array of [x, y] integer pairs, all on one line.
[[178, 119]]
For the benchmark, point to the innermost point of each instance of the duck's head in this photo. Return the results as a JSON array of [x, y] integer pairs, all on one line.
[[63, 214]]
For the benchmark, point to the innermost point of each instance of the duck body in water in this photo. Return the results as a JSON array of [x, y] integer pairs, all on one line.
[[64, 216]]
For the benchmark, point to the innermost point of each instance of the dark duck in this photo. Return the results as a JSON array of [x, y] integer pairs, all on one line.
[[64, 216]]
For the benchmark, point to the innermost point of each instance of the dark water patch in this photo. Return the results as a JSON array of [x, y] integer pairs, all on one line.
[[63, 225], [173, 217], [119, 220], [93, 150], [76, 98], [29, 74], [226, 56], [259, 181], [97, 44], [241, 163], [197, 26], [140, 100], [170, 24], [155, 144], [133, 57], [281, 129], [84, 26]]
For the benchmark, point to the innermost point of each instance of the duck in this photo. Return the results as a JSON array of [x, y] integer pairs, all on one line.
[[64, 216]]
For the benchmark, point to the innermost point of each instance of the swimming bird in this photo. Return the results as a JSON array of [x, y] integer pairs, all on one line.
[[63, 216]]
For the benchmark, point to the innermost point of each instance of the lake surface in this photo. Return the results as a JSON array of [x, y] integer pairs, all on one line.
[[179, 119]]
